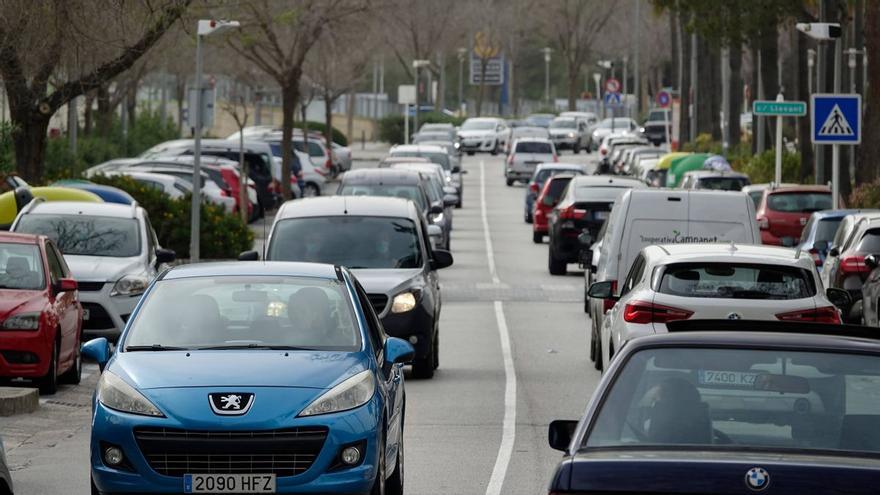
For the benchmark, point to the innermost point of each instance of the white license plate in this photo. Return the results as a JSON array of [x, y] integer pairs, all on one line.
[[229, 483], [85, 314], [730, 378], [601, 215]]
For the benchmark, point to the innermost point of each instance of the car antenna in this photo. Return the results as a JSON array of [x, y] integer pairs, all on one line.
[[732, 247]]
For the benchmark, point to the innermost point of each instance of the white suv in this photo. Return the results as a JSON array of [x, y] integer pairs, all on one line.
[[713, 281], [112, 251], [483, 134]]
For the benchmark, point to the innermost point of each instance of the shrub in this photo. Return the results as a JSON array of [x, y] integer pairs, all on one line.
[[391, 127], [762, 167], [865, 196], [337, 136], [703, 144], [223, 235]]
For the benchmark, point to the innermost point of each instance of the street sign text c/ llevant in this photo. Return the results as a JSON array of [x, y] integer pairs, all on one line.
[[770, 108]]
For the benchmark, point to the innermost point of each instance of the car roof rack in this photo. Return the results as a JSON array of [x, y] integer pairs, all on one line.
[[768, 326]]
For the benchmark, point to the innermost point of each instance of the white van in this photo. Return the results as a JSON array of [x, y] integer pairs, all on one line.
[[642, 217]]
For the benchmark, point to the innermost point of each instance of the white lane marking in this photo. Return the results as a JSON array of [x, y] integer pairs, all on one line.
[[508, 435], [483, 211]]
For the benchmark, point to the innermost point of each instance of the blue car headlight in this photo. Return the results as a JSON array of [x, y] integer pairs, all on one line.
[[353, 392], [116, 394]]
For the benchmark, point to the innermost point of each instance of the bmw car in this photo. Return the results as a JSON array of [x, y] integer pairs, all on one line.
[[250, 378], [730, 407]]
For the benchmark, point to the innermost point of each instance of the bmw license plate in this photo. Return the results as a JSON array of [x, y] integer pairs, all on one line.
[[229, 483], [85, 314]]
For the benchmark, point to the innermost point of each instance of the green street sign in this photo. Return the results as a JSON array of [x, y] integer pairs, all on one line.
[[779, 108]]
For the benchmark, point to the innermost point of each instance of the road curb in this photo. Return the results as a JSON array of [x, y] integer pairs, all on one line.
[[18, 400]]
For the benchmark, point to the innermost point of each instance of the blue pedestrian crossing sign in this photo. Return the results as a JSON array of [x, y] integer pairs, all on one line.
[[612, 99], [836, 118]]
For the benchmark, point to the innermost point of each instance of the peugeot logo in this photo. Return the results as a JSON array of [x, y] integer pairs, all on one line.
[[231, 403], [757, 479], [734, 316]]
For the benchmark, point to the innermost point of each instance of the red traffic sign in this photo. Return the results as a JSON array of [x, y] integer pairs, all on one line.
[[612, 85], [663, 99]]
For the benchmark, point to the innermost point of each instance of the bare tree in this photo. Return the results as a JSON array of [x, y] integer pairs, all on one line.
[[336, 66], [237, 108], [276, 36], [575, 26], [36, 36]]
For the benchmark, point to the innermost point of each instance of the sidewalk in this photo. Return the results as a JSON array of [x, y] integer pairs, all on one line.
[[370, 151]]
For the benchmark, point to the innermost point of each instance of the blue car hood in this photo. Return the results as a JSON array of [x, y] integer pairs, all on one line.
[[233, 368]]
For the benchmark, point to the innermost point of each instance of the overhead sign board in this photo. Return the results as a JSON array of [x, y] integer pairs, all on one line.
[[779, 108], [836, 118], [494, 70]]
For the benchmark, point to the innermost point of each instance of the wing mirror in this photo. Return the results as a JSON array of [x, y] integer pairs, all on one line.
[[398, 351], [441, 258], [436, 208], [560, 433], [872, 260], [834, 251], [249, 256], [602, 290], [839, 297], [456, 169], [165, 256], [97, 350]]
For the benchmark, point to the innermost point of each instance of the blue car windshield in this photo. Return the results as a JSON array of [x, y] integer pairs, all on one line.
[[734, 398], [246, 311]]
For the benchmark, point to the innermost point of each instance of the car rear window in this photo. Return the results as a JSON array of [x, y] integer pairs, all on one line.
[[598, 193], [411, 192], [441, 159], [557, 185], [742, 398], [870, 242], [799, 202], [724, 183], [534, 147], [542, 175], [736, 281], [86, 235]]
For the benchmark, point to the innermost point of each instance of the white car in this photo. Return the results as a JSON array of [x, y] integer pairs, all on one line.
[[713, 281], [174, 187], [112, 251], [617, 125], [713, 179], [483, 134], [569, 133]]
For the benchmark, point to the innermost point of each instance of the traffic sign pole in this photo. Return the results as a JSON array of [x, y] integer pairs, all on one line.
[[779, 108], [778, 175], [835, 175]]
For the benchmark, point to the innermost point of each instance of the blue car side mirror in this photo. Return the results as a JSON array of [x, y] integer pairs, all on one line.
[[97, 349], [398, 351]]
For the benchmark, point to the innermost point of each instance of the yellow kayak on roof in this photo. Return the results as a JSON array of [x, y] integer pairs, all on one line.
[[11, 202], [666, 160]]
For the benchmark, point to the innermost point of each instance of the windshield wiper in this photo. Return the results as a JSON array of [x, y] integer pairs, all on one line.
[[253, 346], [154, 347]]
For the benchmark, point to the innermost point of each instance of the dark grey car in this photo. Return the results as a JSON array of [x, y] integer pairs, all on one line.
[[384, 241]]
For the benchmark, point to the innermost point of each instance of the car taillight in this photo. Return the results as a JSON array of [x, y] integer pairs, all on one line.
[[854, 263], [555, 158], [607, 304], [825, 314], [533, 187], [763, 223], [572, 213], [328, 164], [647, 312], [603, 151], [816, 258], [510, 160]]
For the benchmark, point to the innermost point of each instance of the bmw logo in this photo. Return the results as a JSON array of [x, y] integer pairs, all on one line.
[[734, 316], [757, 479]]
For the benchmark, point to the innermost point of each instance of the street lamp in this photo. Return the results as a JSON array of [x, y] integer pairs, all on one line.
[[811, 62], [205, 28], [547, 51], [417, 64], [597, 77], [462, 52], [852, 63]]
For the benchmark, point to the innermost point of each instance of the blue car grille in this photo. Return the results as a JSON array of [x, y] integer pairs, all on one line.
[[174, 452]]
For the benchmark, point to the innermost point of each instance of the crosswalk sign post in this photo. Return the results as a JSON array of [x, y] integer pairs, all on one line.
[[836, 119]]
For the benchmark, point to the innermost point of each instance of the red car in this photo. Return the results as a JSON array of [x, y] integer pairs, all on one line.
[[783, 212], [40, 313], [544, 203]]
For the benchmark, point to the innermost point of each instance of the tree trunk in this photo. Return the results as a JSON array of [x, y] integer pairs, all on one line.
[[870, 147], [180, 95], [801, 74], [736, 96], [349, 111], [328, 120], [131, 105], [512, 91], [769, 46], [289, 98], [88, 114], [572, 86], [104, 112], [684, 86], [482, 93], [29, 142]]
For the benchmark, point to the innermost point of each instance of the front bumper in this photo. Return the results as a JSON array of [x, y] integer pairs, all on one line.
[[25, 354], [478, 144], [344, 428], [564, 142], [107, 314], [417, 323]]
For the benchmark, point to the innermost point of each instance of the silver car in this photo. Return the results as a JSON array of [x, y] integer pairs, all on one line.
[[569, 132], [526, 154], [112, 251]]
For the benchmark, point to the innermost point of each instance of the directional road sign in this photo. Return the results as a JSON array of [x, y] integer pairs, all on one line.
[[612, 85], [836, 118], [612, 99], [779, 108]]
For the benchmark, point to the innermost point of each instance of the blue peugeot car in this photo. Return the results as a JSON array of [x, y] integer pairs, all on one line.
[[730, 407], [250, 378]]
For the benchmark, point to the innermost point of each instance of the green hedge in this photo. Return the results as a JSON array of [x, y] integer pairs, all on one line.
[[338, 137], [865, 196], [391, 127], [223, 235], [762, 167]]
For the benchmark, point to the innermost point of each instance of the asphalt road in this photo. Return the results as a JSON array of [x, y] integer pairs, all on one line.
[[513, 357]]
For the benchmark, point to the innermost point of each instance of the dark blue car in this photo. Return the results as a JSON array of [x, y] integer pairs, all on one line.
[[730, 407], [539, 177], [250, 378]]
